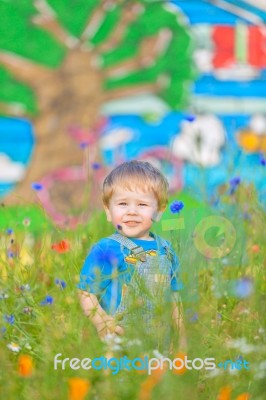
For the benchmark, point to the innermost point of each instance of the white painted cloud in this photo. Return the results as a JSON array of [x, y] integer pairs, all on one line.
[[10, 171], [115, 138], [200, 141]]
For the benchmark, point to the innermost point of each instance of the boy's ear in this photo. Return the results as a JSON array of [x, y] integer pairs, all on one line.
[[108, 214]]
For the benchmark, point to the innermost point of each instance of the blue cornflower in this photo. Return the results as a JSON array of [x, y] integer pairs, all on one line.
[[3, 330], [262, 161], [60, 283], [10, 319], [83, 145], [243, 287], [107, 256], [37, 186], [194, 317], [9, 231], [96, 166], [190, 118], [48, 300], [234, 182], [119, 227], [176, 206], [10, 254]]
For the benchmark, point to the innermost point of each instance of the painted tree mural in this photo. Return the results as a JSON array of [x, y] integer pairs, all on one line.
[[60, 61]]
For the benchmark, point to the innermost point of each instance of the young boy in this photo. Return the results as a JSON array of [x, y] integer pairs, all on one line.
[[129, 282]]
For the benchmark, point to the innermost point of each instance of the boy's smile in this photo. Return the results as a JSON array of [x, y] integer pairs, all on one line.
[[132, 212]]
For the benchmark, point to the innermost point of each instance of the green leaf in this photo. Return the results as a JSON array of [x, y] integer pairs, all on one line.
[[18, 35], [111, 19], [74, 14], [13, 91]]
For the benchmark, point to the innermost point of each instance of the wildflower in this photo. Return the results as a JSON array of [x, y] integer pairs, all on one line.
[[78, 388], [262, 161], [3, 296], [96, 166], [3, 330], [13, 347], [60, 283], [243, 287], [225, 393], [119, 227], [25, 365], [27, 310], [190, 118], [214, 372], [255, 248], [47, 301], [107, 256], [25, 287], [10, 319], [83, 145], [37, 186], [61, 247], [10, 254], [243, 396], [150, 382], [242, 345], [176, 206], [182, 369], [26, 222], [9, 231], [234, 182]]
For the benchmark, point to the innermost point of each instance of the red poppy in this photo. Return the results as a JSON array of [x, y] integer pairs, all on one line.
[[61, 247]]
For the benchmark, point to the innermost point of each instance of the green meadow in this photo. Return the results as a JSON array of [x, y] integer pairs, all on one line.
[[222, 253]]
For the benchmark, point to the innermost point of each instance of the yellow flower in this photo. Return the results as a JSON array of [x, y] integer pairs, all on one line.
[[78, 388], [25, 365]]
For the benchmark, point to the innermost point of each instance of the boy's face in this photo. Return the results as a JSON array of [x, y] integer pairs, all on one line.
[[133, 211]]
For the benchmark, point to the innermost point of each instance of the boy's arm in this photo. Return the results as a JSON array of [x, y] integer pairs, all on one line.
[[178, 319], [103, 322]]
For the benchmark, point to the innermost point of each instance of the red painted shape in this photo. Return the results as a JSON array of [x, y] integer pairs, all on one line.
[[224, 46]]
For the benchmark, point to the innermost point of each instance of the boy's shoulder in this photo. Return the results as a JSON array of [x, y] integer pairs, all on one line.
[[105, 243]]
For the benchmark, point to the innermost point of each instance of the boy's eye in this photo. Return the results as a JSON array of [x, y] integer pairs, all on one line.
[[121, 204], [142, 204]]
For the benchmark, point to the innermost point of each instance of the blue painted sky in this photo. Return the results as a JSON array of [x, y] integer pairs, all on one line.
[[202, 11]]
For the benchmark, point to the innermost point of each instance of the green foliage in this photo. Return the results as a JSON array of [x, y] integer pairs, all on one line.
[[18, 35], [174, 65], [111, 19], [73, 14], [13, 91]]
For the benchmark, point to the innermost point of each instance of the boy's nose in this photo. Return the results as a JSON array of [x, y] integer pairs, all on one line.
[[132, 210]]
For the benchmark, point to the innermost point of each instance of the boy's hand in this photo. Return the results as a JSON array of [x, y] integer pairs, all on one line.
[[108, 325]]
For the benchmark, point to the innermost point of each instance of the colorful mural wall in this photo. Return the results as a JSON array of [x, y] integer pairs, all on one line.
[[87, 85]]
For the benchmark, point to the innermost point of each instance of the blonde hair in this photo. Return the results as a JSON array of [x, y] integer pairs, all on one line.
[[136, 174]]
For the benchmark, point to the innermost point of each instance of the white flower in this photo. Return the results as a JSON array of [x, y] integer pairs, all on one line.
[[133, 342], [260, 375], [28, 346], [214, 372], [157, 354], [13, 347], [242, 345], [262, 365]]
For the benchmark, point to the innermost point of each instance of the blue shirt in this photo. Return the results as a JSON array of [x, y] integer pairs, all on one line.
[[107, 268]]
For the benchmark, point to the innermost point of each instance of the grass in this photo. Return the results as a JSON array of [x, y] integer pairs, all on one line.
[[224, 301]]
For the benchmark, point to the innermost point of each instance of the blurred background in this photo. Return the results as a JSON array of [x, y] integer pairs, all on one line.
[[86, 85]]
